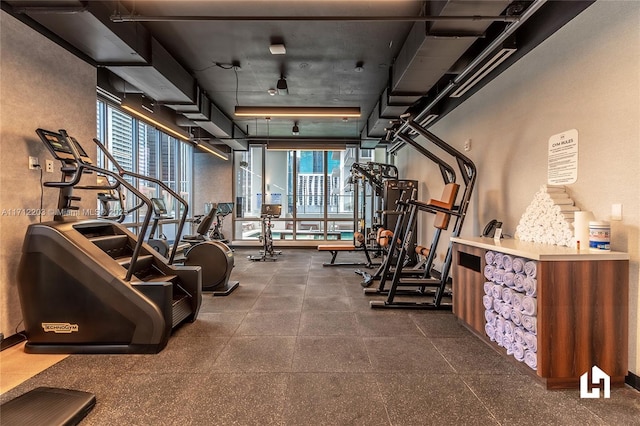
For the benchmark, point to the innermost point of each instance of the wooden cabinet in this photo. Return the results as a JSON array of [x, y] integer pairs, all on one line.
[[468, 281], [582, 302]]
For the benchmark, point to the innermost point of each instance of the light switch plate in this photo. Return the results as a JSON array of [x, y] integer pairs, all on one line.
[[616, 211]]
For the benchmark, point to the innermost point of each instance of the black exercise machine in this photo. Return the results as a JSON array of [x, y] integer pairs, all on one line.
[[92, 286], [387, 243], [444, 210], [222, 210], [213, 257], [268, 212], [159, 242]]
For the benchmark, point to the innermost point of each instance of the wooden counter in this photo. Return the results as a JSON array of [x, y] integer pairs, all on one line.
[[582, 302]]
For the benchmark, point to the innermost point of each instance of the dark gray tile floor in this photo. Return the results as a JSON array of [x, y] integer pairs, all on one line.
[[297, 344]]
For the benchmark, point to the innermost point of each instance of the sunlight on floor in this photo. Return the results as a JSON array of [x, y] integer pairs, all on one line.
[[16, 366]]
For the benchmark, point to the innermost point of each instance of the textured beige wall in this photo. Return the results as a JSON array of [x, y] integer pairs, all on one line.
[[42, 85], [587, 77]]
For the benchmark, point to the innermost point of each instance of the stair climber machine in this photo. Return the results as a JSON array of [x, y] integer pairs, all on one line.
[[92, 286], [214, 258]]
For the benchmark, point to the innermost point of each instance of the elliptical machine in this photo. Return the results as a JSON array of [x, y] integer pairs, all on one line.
[[223, 209], [214, 258], [159, 243]]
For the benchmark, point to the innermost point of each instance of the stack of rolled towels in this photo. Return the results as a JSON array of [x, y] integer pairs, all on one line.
[[511, 305], [549, 217]]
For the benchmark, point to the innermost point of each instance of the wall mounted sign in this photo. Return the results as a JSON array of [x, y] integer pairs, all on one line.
[[563, 158]]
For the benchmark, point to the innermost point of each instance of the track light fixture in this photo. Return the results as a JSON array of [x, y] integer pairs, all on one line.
[[282, 86], [295, 130], [265, 111], [157, 117]]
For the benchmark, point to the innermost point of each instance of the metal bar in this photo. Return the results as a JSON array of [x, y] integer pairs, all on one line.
[[448, 174], [194, 18]]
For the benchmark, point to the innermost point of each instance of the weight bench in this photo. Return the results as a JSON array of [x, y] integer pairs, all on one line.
[[334, 249]]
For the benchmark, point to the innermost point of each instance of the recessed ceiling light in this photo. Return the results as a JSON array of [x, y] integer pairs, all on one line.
[[277, 49], [272, 92]]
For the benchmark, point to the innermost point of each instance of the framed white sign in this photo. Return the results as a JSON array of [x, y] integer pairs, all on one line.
[[563, 158]]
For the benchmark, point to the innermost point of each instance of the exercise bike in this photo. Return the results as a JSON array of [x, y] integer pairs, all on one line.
[[267, 212]]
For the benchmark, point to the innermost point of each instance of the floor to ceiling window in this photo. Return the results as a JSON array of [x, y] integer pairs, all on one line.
[[143, 149], [312, 187]]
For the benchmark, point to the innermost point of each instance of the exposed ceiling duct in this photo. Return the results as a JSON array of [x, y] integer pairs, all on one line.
[[429, 52], [417, 53], [138, 61]]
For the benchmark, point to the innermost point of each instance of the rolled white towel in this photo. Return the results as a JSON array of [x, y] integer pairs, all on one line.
[[497, 260], [488, 257], [507, 262], [490, 317], [508, 328], [488, 272], [529, 306], [508, 346], [518, 335], [518, 282], [516, 300], [518, 351], [500, 325], [531, 359], [491, 331], [496, 291], [530, 286], [505, 311], [498, 276], [487, 301], [516, 316], [531, 340], [499, 338], [531, 269], [518, 265], [507, 294], [508, 279], [487, 288], [530, 323], [497, 305]]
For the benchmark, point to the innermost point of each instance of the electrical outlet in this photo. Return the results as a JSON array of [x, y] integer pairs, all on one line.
[[467, 145], [33, 163], [49, 165]]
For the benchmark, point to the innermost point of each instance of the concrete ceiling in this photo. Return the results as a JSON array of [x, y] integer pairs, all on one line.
[[203, 58]]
